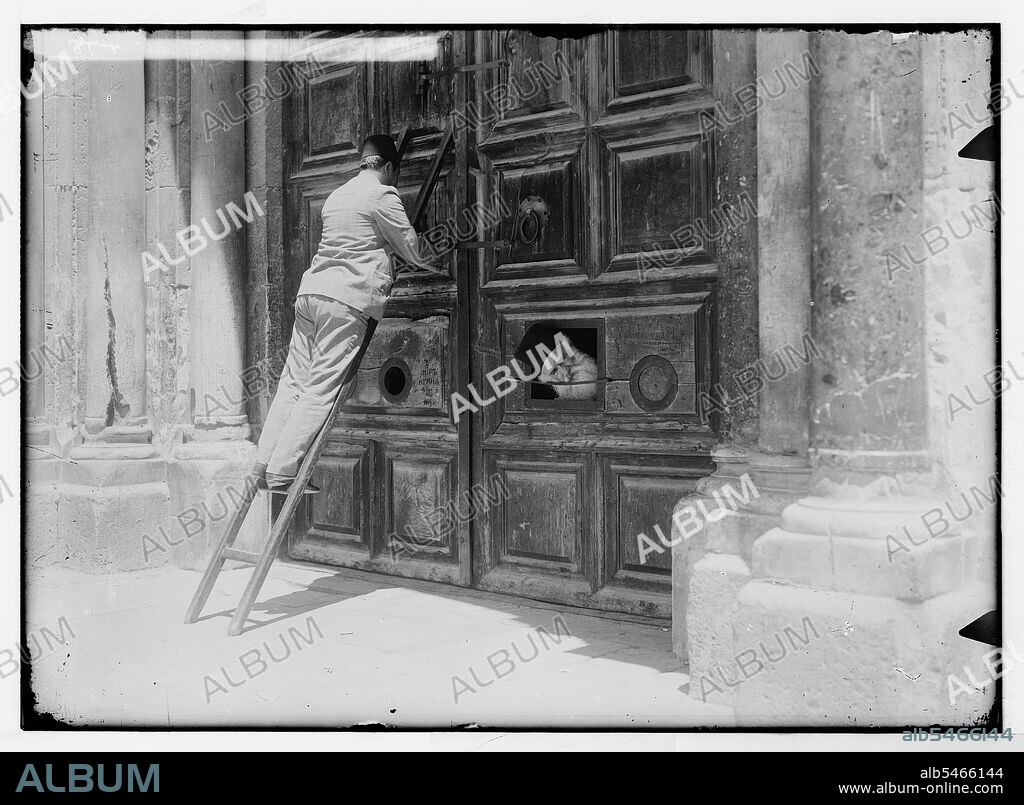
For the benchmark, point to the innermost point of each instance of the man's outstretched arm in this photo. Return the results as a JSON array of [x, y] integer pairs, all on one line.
[[398, 232]]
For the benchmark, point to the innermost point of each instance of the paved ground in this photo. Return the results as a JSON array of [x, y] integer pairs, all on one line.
[[340, 648]]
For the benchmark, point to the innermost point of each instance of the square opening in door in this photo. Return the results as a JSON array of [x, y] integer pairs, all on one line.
[[571, 360]]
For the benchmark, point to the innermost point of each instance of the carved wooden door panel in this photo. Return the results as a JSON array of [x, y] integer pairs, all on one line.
[[582, 158], [395, 459], [590, 157]]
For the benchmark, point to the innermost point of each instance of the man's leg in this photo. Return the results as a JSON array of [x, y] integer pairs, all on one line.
[[289, 387], [338, 333]]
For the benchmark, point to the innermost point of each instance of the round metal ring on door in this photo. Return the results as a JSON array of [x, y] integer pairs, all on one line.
[[531, 220], [394, 381], [653, 383]]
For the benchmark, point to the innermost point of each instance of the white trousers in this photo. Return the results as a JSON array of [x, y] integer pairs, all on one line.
[[326, 339]]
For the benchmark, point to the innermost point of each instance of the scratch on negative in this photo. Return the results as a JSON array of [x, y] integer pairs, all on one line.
[[908, 676], [117, 405]]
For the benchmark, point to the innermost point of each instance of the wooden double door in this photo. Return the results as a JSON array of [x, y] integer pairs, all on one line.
[[574, 162]]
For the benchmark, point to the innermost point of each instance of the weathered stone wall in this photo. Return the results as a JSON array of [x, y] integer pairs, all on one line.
[[133, 474], [58, 221], [733, 138], [168, 205], [957, 244], [833, 626], [265, 152], [735, 150]]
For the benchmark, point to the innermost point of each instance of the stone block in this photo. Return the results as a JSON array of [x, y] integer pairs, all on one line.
[[44, 542], [710, 609], [869, 567], [206, 481], [863, 566], [850, 660], [103, 515], [804, 559]]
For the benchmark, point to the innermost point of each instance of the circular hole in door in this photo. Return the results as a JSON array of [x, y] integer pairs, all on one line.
[[395, 380]]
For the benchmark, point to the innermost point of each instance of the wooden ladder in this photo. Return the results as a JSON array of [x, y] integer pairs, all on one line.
[[262, 561]]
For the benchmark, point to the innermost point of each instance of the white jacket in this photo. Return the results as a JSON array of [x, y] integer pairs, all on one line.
[[363, 220]]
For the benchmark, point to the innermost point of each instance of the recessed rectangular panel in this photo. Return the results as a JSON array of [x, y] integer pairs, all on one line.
[[542, 515], [338, 508], [646, 60], [541, 201], [645, 504], [651, 361], [337, 105], [406, 366], [650, 71], [442, 225], [655, 195], [420, 93], [634, 333], [656, 192], [419, 492], [539, 74]]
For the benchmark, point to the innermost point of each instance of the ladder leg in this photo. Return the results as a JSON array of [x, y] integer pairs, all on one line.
[[259, 573], [217, 559], [295, 494]]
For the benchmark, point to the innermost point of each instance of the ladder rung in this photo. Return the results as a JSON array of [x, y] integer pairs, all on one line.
[[271, 491], [248, 557]]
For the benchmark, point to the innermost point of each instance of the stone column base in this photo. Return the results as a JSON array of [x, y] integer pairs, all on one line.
[[809, 657], [712, 602], [206, 481], [709, 569], [838, 628], [44, 541], [109, 497]]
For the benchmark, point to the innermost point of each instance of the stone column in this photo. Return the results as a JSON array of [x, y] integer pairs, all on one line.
[[834, 627], [218, 268], [702, 598], [708, 567], [115, 483], [115, 292], [209, 467], [42, 465], [784, 262], [779, 377], [266, 150], [36, 429]]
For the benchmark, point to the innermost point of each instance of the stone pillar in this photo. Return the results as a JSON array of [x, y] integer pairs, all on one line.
[[835, 627], [784, 262], [703, 594], [42, 461], [167, 267], [779, 467], [218, 268], [208, 469], [36, 429], [115, 292], [115, 483], [266, 148]]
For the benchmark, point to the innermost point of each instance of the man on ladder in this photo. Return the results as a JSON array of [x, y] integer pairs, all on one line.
[[340, 299]]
